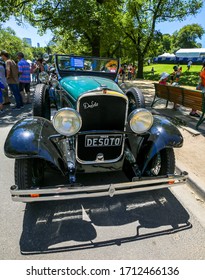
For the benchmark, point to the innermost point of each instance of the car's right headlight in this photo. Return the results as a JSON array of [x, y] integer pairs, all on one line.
[[140, 120], [54, 83], [67, 121]]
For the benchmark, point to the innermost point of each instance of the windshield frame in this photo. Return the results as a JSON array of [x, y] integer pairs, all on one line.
[[83, 66]]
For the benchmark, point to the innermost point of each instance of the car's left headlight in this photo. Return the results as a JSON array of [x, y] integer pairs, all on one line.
[[140, 120], [44, 77], [67, 121]]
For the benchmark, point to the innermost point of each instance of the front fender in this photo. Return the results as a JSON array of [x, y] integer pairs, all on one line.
[[29, 138], [162, 134]]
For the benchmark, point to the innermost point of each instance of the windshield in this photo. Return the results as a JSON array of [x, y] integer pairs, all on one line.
[[71, 65]]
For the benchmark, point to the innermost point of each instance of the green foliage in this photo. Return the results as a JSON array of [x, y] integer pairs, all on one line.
[[187, 36], [93, 23], [15, 7], [124, 28], [141, 17], [12, 44]]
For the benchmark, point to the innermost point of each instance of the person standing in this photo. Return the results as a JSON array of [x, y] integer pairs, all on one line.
[[178, 73], [33, 71], [129, 74], [40, 68], [193, 112], [202, 76], [12, 78], [24, 78], [4, 82], [1, 98], [173, 74], [189, 65], [122, 73]]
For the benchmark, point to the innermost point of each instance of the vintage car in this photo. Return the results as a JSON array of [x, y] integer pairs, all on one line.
[[94, 127]]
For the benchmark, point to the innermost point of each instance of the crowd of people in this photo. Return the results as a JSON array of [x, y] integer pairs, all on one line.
[[16, 78], [174, 80], [128, 71]]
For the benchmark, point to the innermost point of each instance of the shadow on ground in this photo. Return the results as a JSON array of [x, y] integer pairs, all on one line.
[[81, 224], [10, 116]]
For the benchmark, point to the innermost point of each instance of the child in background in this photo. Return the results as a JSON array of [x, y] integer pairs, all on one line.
[[1, 97], [164, 78], [178, 74], [163, 81]]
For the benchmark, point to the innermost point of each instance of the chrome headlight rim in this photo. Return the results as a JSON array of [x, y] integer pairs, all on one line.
[[140, 120], [62, 131], [43, 77]]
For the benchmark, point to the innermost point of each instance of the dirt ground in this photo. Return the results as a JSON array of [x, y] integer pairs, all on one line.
[[191, 157], [192, 154]]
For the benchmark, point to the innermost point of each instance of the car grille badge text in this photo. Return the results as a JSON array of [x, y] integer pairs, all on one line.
[[92, 104]]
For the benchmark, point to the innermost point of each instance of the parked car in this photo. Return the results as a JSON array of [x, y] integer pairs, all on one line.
[[94, 127]]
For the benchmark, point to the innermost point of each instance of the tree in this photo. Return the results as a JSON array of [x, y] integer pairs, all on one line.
[[166, 42], [14, 7], [187, 36], [90, 21], [141, 16], [103, 27], [12, 44]]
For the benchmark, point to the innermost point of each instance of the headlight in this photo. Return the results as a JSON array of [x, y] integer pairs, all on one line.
[[54, 83], [44, 77], [140, 120], [67, 121]]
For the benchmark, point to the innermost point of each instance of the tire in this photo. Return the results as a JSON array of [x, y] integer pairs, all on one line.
[[28, 173], [41, 104], [136, 99], [163, 163]]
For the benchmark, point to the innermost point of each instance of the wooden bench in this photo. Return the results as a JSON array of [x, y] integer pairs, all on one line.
[[186, 97]]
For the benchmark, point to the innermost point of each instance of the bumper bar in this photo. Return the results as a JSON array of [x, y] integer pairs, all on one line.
[[64, 192]]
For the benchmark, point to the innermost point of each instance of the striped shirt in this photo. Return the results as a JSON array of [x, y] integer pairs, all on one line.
[[24, 69]]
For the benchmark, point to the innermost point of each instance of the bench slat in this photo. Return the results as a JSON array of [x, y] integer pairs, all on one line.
[[186, 97]]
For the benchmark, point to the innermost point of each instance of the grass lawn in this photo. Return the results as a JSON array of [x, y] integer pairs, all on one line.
[[188, 78]]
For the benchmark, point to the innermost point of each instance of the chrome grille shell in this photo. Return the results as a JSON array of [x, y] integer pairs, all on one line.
[[100, 112]]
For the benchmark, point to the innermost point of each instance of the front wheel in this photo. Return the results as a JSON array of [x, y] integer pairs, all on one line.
[[163, 163], [41, 103], [136, 99], [28, 173]]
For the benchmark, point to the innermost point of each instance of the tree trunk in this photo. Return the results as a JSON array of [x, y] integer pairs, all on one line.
[[95, 45], [140, 66]]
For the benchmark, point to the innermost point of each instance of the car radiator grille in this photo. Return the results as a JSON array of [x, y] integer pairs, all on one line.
[[101, 112]]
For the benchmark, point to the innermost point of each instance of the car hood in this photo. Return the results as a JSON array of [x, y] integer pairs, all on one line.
[[77, 85]]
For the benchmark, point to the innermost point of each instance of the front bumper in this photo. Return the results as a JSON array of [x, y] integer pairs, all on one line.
[[64, 192]]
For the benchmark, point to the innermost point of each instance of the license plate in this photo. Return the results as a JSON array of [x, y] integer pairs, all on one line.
[[103, 140]]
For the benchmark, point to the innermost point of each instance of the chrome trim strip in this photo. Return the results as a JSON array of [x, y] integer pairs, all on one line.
[[65, 192], [120, 95]]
